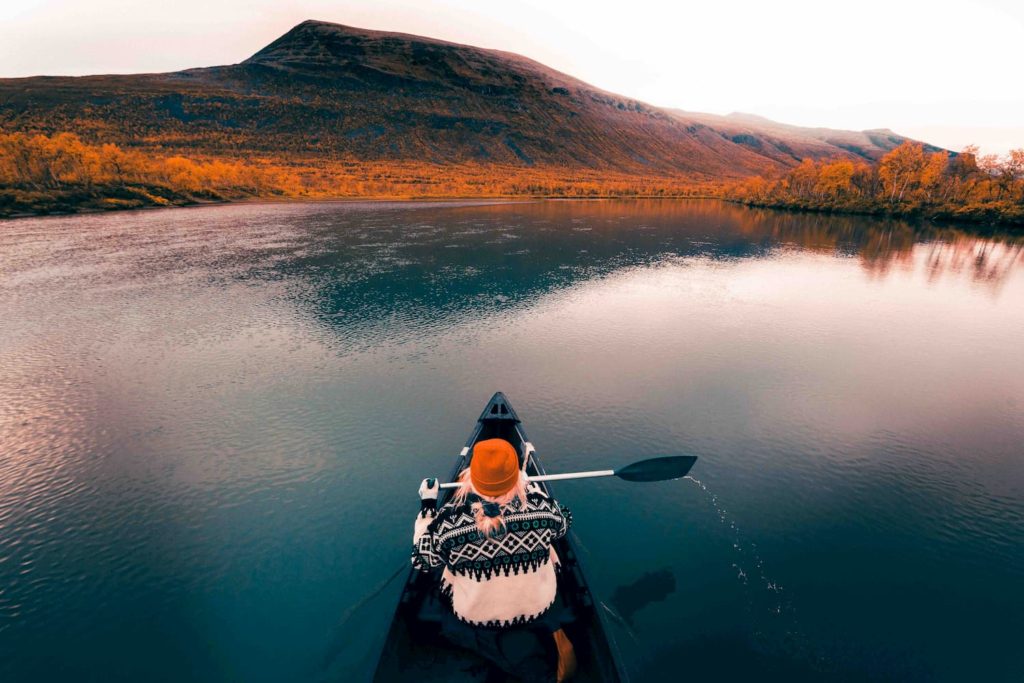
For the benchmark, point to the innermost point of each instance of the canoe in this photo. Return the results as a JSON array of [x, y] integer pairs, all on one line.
[[414, 650]]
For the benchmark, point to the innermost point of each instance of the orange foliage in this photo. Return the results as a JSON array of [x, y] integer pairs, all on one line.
[[906, 181], [40, 173]]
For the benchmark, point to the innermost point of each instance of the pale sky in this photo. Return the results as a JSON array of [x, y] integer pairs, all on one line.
[[945, 71]]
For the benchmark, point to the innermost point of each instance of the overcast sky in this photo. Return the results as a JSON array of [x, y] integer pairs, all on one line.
[[945, 71]]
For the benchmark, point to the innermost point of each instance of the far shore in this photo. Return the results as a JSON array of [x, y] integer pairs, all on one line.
[[918, 218], [87, 210]]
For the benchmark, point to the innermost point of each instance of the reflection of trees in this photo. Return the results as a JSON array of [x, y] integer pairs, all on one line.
[[882, 244], [434, 265], [887, 244], [983, 260]]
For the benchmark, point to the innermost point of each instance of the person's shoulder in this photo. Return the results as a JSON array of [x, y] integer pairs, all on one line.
[[536, 491], [538, 499]]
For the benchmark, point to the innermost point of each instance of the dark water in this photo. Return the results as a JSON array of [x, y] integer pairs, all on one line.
[[213, 422]]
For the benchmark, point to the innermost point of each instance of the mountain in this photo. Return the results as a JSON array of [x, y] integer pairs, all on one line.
[[326, 92], [788, 144]]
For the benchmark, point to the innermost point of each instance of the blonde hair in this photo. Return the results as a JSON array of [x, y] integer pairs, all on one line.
[[491, 526]]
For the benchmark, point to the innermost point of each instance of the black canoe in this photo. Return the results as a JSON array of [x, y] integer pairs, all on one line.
[[414, 649]]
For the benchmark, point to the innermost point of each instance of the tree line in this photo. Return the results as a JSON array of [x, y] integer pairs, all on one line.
[[906, 181], [52, 171], [61, 173]]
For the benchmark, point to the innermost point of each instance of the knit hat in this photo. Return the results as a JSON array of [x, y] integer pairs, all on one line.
[[494, 469]]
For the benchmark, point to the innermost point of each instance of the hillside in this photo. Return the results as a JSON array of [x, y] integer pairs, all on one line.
[[788, 145], [326, 93]]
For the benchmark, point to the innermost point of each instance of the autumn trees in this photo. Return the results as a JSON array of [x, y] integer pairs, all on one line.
[[908, 171], [61, 172], [907, 180], [41, 174], [64, 162], [44, 163]]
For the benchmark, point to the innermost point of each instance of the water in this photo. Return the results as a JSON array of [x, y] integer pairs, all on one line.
[[213, 422]]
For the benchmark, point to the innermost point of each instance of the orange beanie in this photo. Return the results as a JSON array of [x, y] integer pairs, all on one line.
[[494, 469]]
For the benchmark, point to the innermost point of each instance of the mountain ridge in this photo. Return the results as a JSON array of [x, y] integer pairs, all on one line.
[[325, 92]]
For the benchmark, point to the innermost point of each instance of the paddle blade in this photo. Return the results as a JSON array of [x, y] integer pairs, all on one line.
[[657, 469]]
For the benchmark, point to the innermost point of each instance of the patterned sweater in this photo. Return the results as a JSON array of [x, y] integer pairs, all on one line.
[[498, 581]]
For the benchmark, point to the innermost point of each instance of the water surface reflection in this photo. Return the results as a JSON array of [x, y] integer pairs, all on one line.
[[213, 422]]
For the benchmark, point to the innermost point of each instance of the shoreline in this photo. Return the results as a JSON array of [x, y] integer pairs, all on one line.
[[970, 221], [195, 203], [917, 218]]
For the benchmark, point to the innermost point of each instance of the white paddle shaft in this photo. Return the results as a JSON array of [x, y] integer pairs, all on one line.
[[552, 477]]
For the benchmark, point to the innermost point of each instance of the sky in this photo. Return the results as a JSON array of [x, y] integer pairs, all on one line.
[[945, 71]]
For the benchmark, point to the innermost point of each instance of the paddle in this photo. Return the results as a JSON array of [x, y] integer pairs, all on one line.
[[655, 469]]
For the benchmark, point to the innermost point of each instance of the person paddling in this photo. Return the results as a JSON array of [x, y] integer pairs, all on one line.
[[494, 540]]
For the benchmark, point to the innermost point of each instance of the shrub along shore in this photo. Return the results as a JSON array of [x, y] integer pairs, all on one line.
[[906, 182], [62, 174], [42, 174]]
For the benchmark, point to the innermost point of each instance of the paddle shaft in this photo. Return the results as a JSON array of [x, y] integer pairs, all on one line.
[[552, 477]]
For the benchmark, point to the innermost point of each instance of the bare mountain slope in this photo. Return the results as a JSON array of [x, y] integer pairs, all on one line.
[[788, 144], [330, 92]]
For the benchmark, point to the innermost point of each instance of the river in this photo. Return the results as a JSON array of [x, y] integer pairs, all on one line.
[[213, 422]]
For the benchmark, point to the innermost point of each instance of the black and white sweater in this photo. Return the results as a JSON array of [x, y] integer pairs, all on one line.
[[495, 581]]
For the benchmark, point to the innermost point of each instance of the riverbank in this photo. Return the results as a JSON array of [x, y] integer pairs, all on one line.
[[995, 216], [982, 220], [144, 198], [61, 174], [906, 183]]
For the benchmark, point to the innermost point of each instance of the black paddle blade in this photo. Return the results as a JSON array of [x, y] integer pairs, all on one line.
[[657, 469]]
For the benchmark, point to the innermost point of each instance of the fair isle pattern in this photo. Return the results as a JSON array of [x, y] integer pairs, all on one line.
[[453, 540], [494, 581], [423, 557]]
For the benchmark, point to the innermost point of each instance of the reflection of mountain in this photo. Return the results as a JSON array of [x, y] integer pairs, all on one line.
[[436, 264]]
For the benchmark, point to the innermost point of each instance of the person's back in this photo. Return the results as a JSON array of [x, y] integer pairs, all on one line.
[[494, 541]]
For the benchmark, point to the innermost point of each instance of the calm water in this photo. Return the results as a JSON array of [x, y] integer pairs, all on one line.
[[213, 422]]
